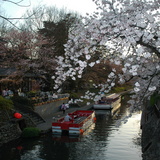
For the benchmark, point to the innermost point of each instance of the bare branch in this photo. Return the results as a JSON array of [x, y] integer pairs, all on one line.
[[7, 19], [18, 3]]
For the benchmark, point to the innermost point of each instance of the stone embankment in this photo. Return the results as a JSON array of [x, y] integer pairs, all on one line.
[[9, 132], [150, 125]]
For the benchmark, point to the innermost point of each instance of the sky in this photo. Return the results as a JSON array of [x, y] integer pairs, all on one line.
[[81, 6]]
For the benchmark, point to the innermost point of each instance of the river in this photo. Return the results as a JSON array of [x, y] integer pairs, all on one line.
[[111, 137]]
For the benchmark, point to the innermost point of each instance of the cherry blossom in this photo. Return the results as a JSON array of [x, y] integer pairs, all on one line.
[[129, 31]]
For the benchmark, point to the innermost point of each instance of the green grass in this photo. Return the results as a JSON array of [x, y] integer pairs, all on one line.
[[30, 132]]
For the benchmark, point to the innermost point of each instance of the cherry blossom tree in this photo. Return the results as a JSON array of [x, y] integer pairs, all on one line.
[[130, 32], [27, 53], [29, 50]]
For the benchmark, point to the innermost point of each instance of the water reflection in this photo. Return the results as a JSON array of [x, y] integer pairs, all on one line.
[[68, 139], [104, 140]]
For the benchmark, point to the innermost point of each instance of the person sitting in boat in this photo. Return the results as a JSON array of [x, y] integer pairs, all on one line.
[[67, 118], [101, 101]]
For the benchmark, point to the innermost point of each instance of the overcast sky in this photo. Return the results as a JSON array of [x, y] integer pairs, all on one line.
[[81, 6]]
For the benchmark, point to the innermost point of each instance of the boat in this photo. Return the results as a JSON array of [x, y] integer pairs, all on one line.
[[108, 102], [80, 121]]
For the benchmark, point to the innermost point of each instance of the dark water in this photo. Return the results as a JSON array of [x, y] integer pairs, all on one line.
[[112, 137]]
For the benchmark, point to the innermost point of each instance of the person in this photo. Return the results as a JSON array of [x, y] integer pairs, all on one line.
[[63, 108], [67, 118], [5, 93]]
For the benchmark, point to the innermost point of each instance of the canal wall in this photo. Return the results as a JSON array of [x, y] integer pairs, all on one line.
[[9, 132], [150, 125]]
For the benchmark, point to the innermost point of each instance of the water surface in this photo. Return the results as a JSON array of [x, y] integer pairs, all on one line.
[[112, 137]]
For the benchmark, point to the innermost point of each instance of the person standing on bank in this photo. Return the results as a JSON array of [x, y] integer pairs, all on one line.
[[63, 108]]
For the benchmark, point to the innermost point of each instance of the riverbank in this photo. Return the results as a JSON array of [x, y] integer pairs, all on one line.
[[150, 125]]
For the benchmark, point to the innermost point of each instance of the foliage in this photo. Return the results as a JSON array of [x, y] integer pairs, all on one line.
[[122, 33], [59, 32], [30, 132], [73, 95], [129, 32], [154, 98], [56, 32], [22, 53], [122, 88], [32, 50], [41, 14], [5, 104], [31, 93], [119, 89], [20, 101]]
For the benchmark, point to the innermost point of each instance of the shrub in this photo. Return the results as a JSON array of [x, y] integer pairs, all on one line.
[[119, 89], [5, 104], [22, 101], [154, 98], [73, 95], [30, 132], [31, 93]]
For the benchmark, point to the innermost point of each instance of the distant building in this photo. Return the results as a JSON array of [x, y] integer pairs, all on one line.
[[29, 82]]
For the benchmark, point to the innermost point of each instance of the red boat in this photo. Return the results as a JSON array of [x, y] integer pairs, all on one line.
[[80, 121]]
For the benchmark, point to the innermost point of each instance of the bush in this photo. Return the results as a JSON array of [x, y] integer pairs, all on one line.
[[30, 132], [154, 98], [5, 104], [74, 95], [22, 101], [119, 89], [31, 94]]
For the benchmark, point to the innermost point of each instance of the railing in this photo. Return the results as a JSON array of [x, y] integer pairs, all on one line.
[[41, 98]]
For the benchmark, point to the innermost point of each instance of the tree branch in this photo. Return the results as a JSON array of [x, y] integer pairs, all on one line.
[[7, 19], [154, 49], [18, 3]]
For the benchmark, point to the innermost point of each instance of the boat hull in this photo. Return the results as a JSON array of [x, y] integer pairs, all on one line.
[[110, 105]]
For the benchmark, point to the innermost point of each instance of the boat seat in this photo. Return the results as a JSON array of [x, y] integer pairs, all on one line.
[[79, 119]]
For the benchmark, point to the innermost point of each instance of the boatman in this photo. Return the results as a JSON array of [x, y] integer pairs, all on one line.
[[63, 108], [67, 118]]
